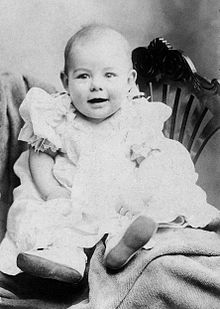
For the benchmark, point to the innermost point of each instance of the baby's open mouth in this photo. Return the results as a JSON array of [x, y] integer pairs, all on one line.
[[97, 100]]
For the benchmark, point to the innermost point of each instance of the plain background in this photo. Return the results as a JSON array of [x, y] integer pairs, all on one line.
[[33, 34]]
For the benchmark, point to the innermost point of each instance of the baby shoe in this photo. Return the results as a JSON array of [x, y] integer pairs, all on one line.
[[135, 237], [53, 263]]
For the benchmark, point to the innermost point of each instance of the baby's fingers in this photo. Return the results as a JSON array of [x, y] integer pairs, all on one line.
[[124, 211], [121, 210]]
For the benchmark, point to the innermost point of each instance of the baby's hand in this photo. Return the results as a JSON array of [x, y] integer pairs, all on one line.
[[130, 205], [60, 192], [125, 211]]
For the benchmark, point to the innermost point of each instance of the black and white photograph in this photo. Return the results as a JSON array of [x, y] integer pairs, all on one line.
[[110, 154]]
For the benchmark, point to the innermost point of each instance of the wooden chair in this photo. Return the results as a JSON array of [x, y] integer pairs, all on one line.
[[166, 74]]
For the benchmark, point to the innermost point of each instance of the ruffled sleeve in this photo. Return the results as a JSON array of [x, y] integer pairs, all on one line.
[[44, 117]]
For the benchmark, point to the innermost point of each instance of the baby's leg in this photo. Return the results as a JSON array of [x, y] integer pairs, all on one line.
[[61, 259], [120, 249], [61, 263], [43, 234]]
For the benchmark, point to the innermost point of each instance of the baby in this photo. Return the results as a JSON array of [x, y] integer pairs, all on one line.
[[98, 164]]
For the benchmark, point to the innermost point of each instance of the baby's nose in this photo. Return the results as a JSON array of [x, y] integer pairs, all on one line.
[[96, 84]]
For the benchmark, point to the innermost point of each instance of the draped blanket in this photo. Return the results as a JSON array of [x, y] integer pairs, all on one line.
[[13, 89], [181, 272]]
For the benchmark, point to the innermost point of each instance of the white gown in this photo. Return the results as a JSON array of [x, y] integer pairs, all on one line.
[[99, 164]]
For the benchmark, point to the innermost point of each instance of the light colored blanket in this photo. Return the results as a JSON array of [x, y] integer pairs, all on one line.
[[182, 271]]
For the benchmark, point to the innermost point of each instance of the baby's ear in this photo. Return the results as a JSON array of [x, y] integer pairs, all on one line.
[[64, 79], [132, 75]]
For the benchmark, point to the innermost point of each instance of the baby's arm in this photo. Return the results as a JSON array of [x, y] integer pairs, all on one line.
[[41, 164]]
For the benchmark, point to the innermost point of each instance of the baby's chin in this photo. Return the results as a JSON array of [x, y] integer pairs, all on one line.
[[99, 118]]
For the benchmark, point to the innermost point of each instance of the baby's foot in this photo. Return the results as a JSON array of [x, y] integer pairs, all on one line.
[[52, 263], [135, 237]]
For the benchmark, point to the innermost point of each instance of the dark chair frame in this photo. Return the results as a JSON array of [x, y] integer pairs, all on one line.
[[195, 100]]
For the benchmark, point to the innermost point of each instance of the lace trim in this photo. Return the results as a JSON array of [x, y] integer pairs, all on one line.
[[42, 144]]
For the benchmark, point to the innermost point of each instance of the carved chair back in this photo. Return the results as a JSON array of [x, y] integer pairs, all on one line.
[[166, 74]]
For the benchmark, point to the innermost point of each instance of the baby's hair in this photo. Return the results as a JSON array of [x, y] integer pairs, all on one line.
[[94, 31]]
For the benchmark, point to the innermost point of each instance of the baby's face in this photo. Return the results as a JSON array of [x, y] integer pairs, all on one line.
[[99, 78]]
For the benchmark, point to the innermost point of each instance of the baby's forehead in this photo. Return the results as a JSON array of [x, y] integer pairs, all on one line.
[[97, 40], [109, 44], [107, 39]]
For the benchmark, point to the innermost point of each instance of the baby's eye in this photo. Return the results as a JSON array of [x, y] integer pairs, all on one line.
[[83, 76], [110, 74]]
